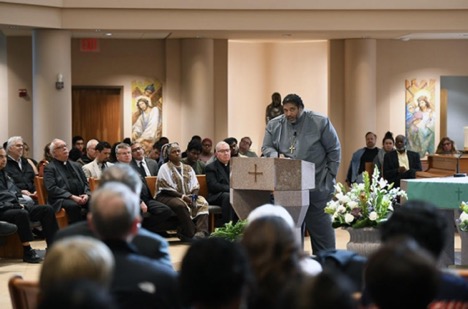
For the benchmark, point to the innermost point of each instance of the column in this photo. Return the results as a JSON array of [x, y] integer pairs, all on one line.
[[360, 108], [52, 107], [4, 87]]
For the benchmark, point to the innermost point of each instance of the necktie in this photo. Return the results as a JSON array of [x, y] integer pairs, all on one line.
[[142, 169], [103, 166]]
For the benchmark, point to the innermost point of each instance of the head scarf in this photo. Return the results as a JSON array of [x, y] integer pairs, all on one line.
[[166, 150]]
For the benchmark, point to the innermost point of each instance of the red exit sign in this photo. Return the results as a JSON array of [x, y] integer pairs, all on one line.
[[89, 45]]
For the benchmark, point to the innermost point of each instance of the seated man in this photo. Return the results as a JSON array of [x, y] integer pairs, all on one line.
[[244, 147], [138, 282], [158, 217], [19, 169], [401, 163], [360, 158], [101, 162], [217, 181], [90, 154], [12, 211], [66, 183], [194, 149], [77, 150], [145, 166], [147, 243]]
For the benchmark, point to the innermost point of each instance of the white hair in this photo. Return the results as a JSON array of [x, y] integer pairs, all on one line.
[[12, 141], [270, 210]]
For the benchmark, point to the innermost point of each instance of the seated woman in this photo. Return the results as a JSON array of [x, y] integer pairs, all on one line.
[[446, 146], [45, 160], [178, 188], [388, 144]]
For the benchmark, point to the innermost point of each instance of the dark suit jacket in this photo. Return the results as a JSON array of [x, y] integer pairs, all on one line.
[[147, 243], [391, 166], [57, 185], [23, 178], [216, 180], [150, 163]]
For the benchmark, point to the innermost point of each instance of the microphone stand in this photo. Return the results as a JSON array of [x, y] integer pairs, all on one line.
[[458, 174]]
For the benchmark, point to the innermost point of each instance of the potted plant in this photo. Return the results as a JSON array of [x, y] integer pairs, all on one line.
[[363, 207], [230, 231], [462, 223]]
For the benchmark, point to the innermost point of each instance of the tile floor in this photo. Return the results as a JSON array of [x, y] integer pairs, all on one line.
[[177, 250]]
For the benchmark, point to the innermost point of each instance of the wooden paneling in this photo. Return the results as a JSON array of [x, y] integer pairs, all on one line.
[[97, 113]]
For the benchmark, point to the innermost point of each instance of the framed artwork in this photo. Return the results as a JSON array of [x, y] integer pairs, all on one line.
[[146, 112], [420, 116]]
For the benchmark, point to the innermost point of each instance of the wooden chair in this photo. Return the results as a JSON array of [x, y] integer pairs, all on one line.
[[152, 182], [93, 183], [212, 209], [61, 215], [24, 294]]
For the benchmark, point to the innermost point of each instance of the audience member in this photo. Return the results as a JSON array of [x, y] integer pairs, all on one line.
[[138, 282], [274, 109], [12, 210], [388, 144], [215, 273], [155, 152], [232, 142], [194, 149], [47, 157], [207, 153], [77, 149], [145, 166], [77, 294], [401, 163], [400, 274], [327, 290], [244, 147], [274, 254], [217, 181], [362, 156], [158, 217], [26, 155], [424, 223], [77, 258], [20, 169], [90, 154], [147, 243], [100, 163], [66, 183], [196, 138], [446, 147], [178, 188]]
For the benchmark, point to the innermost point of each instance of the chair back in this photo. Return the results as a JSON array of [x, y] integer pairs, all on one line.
[[24, 294], [41, 190], [152, 182], [203, 191], [93, 183]]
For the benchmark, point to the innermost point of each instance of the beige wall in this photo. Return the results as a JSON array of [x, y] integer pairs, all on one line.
[[398, 61], [257, 69]]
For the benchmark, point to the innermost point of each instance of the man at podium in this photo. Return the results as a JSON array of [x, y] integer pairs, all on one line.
[[304, 135]]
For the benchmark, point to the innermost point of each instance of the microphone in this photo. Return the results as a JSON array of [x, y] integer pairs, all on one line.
[[458, 174], [295, 134]]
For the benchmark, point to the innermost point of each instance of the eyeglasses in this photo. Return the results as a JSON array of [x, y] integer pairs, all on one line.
[[136, 149], [61, 147], [446, 144], [224, 150]]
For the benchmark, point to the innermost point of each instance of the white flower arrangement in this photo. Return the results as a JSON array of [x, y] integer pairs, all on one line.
[[366, 204], [463, 220]]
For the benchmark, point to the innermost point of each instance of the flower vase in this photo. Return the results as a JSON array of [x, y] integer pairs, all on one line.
[[363, 241], [464, 248]]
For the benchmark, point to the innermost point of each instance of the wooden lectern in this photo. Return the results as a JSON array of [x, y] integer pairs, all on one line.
[[253, 180]]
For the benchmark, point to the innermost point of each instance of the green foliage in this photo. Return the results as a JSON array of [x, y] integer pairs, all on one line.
[[230, 231], [463, 220]]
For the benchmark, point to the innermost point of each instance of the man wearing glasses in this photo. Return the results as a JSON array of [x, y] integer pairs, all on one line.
[[66, 183], [141, 164]]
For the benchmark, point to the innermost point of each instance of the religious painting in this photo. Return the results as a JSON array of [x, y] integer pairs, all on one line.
[[420, 116], [146, 112]]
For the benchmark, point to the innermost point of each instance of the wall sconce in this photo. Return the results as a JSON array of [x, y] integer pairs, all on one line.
[[59, 82], [22, 93]]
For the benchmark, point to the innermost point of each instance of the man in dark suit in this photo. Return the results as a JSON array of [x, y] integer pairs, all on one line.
[[147, 243], [145, 166], [401, 163], [138, 282], [66, 183], [217, 181]]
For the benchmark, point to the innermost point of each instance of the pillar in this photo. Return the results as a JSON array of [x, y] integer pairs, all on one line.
[[52, 107]]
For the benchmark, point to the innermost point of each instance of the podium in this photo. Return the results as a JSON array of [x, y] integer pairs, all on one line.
[[254, 180]]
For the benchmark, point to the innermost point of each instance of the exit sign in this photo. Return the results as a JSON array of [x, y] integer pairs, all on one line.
[[89, 45]]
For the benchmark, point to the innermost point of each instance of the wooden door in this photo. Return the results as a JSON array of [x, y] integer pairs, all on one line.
[[97, 113]]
